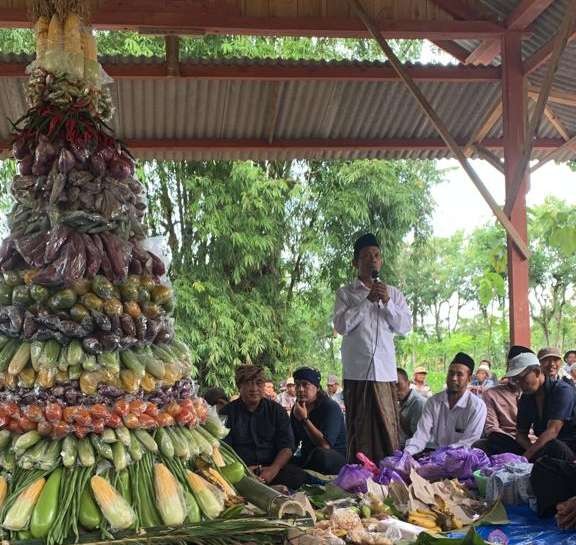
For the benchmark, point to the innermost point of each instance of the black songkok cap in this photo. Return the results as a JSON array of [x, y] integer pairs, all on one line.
[[363, 242], [464, 359], [308, 374], [516, 350]]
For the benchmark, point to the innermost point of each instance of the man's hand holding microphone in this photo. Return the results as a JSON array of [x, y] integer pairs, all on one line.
[[379, 291]]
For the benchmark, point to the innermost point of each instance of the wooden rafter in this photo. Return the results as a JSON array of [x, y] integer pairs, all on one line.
[[489, 156], [556, 96], [521, 17], [452, 48], [457, 9], [283, 71], [543, 54], [494, 114], [555, 122], [569, 144], [559, 45], [273, 111], [308, 145], [171, 17], [441, 128]]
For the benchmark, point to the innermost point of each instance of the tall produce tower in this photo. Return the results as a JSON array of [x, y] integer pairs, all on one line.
[[100, 428]]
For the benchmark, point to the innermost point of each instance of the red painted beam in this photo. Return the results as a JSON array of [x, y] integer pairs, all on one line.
[[525, 13], [309, 144], [520, 18], [452, 48], [172, 18], [284, 72]]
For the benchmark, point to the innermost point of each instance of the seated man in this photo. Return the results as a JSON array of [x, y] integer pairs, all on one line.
[[550, 362], [216, 397], [260, 431], [419, 382], [482, 380], [411, 406], [318, 423], [454, 417], [546, 406], [502, 410]]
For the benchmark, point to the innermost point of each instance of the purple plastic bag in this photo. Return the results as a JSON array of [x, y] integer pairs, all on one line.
[[453, 463], [386, 476], [353, 478], [401, 463]]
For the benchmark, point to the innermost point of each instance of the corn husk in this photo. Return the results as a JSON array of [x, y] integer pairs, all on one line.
[[41, 32]]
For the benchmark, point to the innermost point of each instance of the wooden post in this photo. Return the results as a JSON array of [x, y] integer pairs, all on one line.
[[514, 101]]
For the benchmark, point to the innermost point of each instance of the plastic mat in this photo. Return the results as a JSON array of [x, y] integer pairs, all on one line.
[[526, 528]]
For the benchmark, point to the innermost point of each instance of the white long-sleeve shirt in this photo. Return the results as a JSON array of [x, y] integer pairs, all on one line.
[[442, 426], [368, 330]]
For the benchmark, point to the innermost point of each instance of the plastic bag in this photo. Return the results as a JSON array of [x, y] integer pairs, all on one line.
[[159, 247], [352, 478], [453, 463], [401, 462], [498, 461], [386, 475]]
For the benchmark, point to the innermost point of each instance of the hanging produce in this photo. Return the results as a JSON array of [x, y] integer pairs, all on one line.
[[100, 426]]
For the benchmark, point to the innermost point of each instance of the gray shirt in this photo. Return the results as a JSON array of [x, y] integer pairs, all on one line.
[[410, 411]]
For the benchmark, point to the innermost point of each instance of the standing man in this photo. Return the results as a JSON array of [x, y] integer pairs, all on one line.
[[368, 313]]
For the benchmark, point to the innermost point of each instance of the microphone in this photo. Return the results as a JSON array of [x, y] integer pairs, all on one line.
[[375, 275]]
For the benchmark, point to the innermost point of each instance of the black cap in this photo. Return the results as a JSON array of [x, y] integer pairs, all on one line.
[[363, 242], [516, 350], [464, 359], [308, 374]]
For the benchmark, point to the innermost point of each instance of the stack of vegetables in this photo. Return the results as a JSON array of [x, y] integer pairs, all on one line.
[[100, 428]]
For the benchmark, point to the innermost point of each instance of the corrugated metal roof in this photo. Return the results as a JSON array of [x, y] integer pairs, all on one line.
[[543, 29], [184, 108]]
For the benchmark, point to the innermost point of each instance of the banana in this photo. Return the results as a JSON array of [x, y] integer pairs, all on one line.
[[423, 522]]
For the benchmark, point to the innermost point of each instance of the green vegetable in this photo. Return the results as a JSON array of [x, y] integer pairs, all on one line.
[[39, 293], [25, 441], [131, 361], [103, 449], [135, 449], [108, 436], [51, 455], [5, 294], [194, 514], [102, 287], [46, 507], [165, 443], [62, 300], [119, 456], [146, 439], [36, 349], [50, 354], [21, 296], [86, 453], [75, 353], [89, 516], [5, 437], [7, 353], [90, 363], [123, 435], [78, 312], [69, 451]]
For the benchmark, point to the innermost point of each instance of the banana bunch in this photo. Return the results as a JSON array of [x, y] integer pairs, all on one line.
[[425, 518]]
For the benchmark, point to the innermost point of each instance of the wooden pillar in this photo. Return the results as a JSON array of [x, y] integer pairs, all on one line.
[[514, 100]]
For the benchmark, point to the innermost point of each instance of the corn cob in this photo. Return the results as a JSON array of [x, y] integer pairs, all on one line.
[[19, 514], [206, 499], [169, 497], [114, 507]]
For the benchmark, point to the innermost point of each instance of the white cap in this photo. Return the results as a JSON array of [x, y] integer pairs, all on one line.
[[483, 367], [520, 363]]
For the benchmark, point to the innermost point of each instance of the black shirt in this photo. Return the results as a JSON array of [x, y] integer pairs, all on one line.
[[559, 404], [328, 418], [257, 437]]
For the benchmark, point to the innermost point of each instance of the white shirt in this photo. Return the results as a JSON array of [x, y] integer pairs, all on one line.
[[442, 426], [368, 329]]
